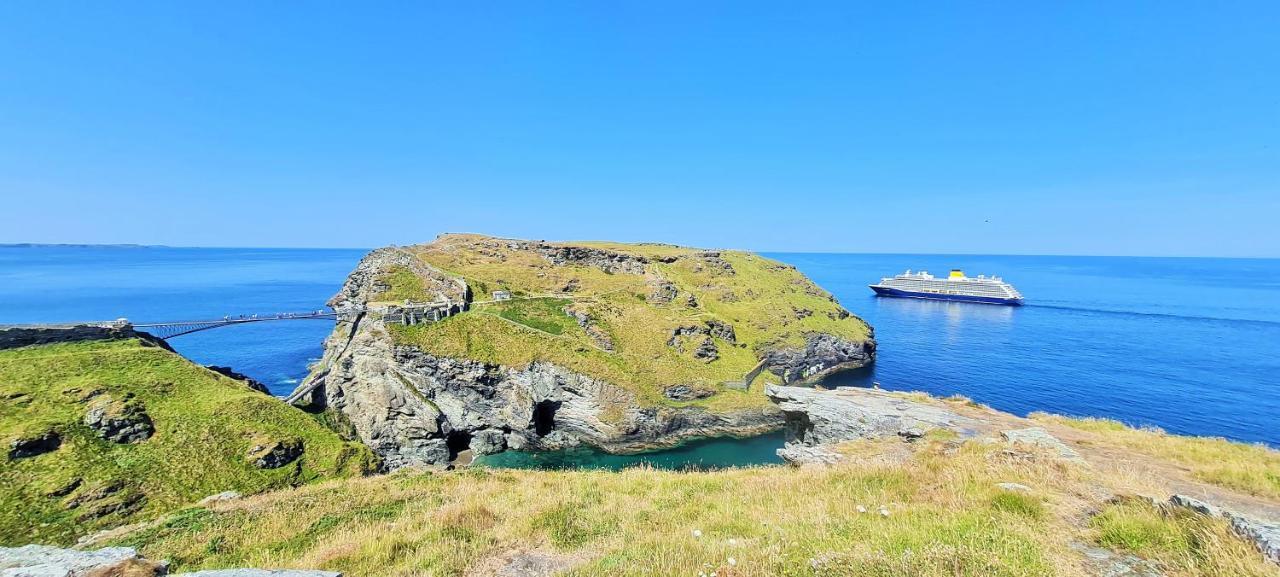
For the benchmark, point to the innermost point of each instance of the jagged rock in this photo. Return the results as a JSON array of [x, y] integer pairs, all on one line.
[[1195, 505], [24, 337], [718, 265], [605, 260], [1264, 534], [488, 442], [119, 421], [799, 454], [584, 320], [663, 293], [1014, 487], [31, 446], [722, 330], [248, 381], [273, 454], [801, 313], [1038, 437], [691, 301], [105, 499], [822, 355], [219, 497], [707, 350], [261, 573], [817, 417], [686, 393], [571, 286], [1106, 563], [46, 561]]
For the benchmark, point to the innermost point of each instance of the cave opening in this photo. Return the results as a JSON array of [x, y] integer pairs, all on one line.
[[544, 417], [458, 441]]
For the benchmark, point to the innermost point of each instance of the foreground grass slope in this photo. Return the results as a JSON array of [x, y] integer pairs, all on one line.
[[632, 311], [205, 425], [934, 507]]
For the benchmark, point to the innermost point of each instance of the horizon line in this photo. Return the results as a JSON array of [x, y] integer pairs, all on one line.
[[758, 251]]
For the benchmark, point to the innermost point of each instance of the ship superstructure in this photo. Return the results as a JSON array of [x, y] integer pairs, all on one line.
[[955, 287]]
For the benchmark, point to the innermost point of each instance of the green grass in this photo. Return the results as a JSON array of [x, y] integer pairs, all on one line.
[[1179, 540], [765, 301], [404, 285], [544, 314], [205, 424], [1253, 469]]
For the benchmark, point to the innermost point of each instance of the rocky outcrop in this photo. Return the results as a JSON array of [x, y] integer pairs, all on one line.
[[248, 381], [605, 260], [119, 420], [817, 417], [822, 355], [32, 445], [45, 561], [11, 338], [1263, 534], [1039, 438], [273, 454], [417, 409], [364, 284]]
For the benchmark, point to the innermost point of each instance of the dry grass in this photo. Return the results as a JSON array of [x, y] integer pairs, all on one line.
[[945, 517], [1252, 469], [1182, 542]]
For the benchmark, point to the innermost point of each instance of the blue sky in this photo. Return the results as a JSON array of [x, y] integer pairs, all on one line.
[[1133, 128]]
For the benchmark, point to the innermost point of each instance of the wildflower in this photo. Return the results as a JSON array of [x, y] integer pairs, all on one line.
[[733, 541], [697, 532], [732, 561]]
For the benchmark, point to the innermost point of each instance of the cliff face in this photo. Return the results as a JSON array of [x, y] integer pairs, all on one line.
[[589, 350]]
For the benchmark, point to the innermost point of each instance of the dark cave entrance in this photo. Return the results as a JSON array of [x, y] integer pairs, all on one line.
[[544, 417], [458, 441]]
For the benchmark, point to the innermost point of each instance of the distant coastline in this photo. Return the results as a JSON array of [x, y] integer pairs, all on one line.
[[72, 245]]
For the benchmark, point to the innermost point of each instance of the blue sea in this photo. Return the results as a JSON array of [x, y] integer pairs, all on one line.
[[1190, 345]]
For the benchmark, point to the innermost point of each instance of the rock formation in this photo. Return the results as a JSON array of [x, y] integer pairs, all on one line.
[[416, 407]]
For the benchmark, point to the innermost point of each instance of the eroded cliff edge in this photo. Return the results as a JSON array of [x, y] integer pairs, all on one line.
[[479, 344]]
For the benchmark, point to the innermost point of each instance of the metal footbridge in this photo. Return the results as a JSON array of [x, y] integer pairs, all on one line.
[[170, 329]]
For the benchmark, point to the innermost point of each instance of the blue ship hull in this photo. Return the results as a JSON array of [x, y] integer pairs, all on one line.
[[892, 292]]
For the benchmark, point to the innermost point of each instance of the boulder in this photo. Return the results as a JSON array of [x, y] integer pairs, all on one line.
[[686, 393], [798, 454], [273, 454], [219, 498], [1040, 438], [488, 442], [119, 420], [38, 444], [46, 561]]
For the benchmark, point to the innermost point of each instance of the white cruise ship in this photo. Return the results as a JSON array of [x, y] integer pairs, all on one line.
[[956, 287]]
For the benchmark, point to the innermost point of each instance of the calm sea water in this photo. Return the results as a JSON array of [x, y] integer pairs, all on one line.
[[1189, 345]]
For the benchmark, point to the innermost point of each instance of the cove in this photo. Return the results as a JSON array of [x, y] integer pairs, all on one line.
[[697, 455]]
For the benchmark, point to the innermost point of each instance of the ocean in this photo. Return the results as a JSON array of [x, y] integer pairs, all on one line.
[[1190, 345]]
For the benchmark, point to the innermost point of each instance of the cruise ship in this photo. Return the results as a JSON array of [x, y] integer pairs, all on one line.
[[956, 287]]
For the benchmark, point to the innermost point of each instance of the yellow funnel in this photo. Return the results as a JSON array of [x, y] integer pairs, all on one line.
[[957, 273]]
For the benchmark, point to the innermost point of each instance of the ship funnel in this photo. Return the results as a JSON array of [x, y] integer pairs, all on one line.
[[957, 273]]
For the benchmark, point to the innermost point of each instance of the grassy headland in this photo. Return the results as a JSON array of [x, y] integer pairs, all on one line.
[[205, 424]]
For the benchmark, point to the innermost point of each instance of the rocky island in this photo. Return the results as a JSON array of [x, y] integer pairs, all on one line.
[[482, 344]]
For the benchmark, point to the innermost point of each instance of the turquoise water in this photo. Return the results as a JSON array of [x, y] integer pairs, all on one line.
[[1189, 345], [695, 455]]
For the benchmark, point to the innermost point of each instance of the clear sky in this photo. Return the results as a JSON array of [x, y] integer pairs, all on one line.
[[1133, 128]]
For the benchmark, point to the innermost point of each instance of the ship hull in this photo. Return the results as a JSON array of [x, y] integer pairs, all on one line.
[[899, 293]]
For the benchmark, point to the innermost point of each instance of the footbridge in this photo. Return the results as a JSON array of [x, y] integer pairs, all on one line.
[[170, 329]]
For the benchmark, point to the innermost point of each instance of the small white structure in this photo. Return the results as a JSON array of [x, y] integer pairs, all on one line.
[[501, 295]]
